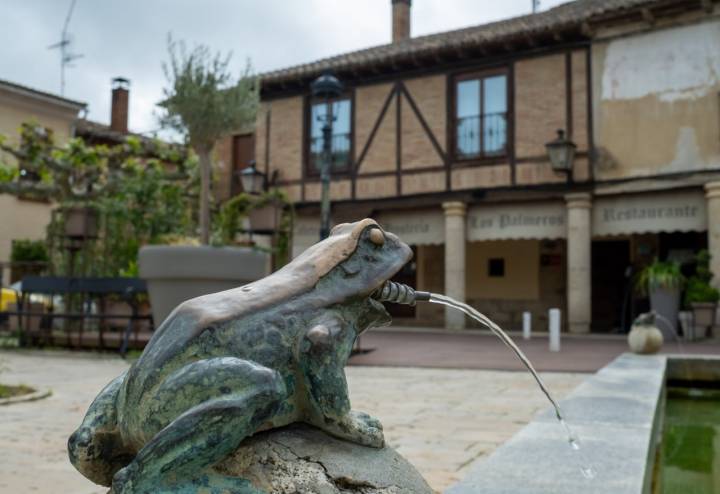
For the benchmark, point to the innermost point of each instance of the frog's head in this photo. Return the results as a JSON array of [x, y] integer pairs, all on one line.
[[377, 255], [355, 260]]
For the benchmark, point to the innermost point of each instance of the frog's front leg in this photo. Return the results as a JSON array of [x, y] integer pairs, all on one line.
[[197, 417], [323, 353]]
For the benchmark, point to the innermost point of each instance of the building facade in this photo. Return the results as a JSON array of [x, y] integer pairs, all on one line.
[[28, 218], [441, 138]]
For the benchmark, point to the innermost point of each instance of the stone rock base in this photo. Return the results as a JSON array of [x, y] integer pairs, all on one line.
[[301, 459]]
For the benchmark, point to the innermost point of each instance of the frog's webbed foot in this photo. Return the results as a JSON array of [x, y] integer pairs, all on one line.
[[357, 427], [178, 459], [96, 448]]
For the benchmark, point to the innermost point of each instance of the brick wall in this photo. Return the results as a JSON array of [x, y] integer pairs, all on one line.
[[419, 183], [480, 176], [539, 103], [368, 105], [261, 131], [429, 95], [579, 99], [286, 149]]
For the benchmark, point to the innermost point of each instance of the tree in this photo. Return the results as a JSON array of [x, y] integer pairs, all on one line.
[[140, 188], [205, 103]]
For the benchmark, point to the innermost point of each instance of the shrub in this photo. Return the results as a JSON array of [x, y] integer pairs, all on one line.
[[698, 287], [29, 251]]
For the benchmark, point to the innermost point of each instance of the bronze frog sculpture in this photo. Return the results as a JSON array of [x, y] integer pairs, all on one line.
[[224, 366]]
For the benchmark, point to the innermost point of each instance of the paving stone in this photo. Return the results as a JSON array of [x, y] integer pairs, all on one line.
[[440, 420]]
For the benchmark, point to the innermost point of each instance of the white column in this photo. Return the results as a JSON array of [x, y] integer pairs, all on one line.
[[454, 261], [579, 238], [712, 196]]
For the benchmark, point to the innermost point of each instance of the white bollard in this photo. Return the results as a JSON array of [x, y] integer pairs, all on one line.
[[527, 325], [554, 323]]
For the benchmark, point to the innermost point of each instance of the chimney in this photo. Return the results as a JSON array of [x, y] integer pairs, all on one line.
[[119, 105], [400, 20]]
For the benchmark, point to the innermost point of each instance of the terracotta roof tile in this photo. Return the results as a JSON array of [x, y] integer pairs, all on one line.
[[563, 17]]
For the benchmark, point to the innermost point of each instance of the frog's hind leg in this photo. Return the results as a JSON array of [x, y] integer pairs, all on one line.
[[95, 448], [211, 406]]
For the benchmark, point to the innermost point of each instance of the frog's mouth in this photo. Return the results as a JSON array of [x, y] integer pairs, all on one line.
[[377, 314]]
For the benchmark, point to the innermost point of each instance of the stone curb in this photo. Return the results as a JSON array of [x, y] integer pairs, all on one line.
[[34, 396]]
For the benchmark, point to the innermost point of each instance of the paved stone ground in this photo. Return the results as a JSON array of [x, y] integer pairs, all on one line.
[[482, 350], [441, 420]]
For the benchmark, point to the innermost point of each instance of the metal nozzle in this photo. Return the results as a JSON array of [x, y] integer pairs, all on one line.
[[399, 293]]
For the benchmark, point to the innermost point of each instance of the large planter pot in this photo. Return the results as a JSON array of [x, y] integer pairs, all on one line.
[[686, 324], [265, 219], [703, 317], [666, 303], [178, 273], [704, 313]]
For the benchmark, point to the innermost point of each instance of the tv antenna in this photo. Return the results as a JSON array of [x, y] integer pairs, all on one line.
[[536, 6], [66, 55]]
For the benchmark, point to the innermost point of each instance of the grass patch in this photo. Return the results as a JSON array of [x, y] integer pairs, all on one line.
[[7, 391]]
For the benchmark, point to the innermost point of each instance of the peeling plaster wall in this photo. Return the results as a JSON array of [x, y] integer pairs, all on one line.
[[656, 101]]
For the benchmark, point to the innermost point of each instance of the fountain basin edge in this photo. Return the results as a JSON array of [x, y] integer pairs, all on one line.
[[617, 414]]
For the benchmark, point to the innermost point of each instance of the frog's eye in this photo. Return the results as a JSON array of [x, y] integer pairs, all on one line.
[[377, 237]]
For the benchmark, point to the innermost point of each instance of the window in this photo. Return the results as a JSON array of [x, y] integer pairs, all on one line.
[[496, 267], [341, 114], [481, 113]]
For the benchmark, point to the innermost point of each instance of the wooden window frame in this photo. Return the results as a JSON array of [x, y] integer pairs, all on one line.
[[309, 170], [480, 74]]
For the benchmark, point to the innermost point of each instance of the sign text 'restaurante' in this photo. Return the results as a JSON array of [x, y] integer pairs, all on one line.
[[615, 214]]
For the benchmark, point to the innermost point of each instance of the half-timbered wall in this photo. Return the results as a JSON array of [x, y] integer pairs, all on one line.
[[403, 144]]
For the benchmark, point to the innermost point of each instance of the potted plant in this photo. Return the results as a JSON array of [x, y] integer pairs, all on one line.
[[662, 281], [702, 297], [27, 257]]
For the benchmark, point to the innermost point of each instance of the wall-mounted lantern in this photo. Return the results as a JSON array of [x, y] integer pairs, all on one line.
[[252, 179], [561, 152]]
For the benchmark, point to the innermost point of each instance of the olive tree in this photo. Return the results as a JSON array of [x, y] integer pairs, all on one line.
[[205, 102]]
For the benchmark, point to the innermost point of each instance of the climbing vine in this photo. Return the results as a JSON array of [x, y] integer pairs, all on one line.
[[230, 220]]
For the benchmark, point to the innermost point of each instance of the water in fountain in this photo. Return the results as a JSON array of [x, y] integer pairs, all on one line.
[[587, 470]]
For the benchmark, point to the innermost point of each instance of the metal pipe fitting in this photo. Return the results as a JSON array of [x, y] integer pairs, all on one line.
[[399, 293]]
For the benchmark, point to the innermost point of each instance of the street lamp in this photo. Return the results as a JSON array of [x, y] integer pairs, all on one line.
[[252, 180], [562, 154], [326, 87]]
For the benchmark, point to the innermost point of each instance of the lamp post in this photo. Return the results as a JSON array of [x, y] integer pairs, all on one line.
[[561, 151], [326, 87]]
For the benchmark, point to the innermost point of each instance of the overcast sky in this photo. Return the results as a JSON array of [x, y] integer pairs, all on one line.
[[128, 38]]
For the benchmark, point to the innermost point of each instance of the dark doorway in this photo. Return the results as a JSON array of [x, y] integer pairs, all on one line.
[[611, 285], [407, 276], [243, 153]]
